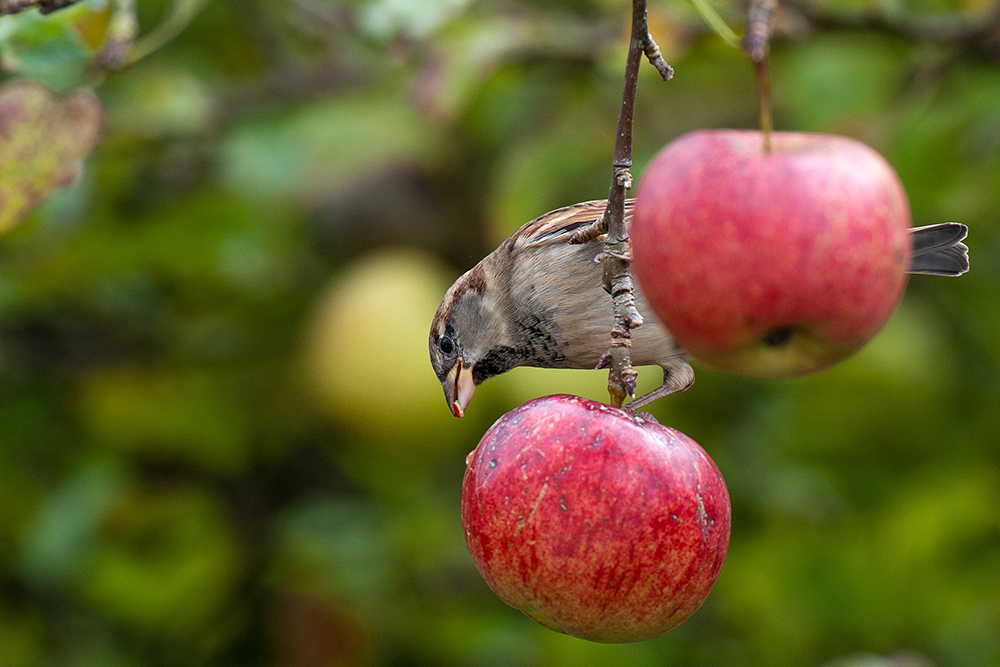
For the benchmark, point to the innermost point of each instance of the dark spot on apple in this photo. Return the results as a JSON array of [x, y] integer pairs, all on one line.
[[777, 337], [676, 518], [493, 463]]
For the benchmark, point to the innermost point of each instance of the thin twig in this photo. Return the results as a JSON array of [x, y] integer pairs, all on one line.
[[591, 231], [123, 28], [617, 255], [652, 52], [44, 6], [641, 44], [757, 36]]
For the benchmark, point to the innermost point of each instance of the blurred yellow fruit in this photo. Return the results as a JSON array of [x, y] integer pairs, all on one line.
[[366, 349]]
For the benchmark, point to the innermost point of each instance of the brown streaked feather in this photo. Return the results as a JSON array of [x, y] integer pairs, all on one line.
[[558, 225]]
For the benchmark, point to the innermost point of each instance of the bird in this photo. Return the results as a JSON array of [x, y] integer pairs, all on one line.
[[533, 302]]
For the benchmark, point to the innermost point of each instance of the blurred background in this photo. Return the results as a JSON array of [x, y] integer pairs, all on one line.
[[221, 441]]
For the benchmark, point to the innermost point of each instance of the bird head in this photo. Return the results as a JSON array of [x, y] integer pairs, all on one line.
[[468, 338]]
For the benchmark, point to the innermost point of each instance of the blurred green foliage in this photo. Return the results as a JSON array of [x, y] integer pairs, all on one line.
[[220, 439]]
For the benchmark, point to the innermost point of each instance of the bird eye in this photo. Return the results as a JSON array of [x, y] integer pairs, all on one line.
[[446, 345]]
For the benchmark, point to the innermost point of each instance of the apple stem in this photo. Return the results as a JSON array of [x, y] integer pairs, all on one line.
[[756, 44], [616, 258], [763, 77]]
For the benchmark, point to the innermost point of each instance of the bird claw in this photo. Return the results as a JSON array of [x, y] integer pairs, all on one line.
[[677, 377], [644, 416], [623, 256]]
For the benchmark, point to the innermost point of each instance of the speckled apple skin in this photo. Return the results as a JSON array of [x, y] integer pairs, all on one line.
[[594, 522], [732, 244]]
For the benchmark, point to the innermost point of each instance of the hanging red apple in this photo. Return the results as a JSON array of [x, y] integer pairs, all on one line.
[[593, 521], [771, 264]]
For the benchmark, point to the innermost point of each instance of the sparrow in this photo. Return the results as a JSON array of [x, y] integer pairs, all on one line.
[[534, 301]]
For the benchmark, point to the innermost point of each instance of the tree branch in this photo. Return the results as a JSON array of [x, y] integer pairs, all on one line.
[[977, 38], [44, 6], [617, 256], [123, 28]]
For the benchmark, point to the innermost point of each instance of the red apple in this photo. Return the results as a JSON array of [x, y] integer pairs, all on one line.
[[771, 264], [593, 521]]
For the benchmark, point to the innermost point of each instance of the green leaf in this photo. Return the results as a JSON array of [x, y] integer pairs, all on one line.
[[54, 49], [42, 140]]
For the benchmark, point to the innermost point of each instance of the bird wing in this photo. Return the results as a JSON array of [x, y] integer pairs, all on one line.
[[559, 225]]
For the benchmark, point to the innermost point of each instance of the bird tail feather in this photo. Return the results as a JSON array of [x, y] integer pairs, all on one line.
[[938, 249]]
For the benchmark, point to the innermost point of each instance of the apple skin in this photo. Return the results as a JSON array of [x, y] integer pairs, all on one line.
[[771, 264], [595, 522]]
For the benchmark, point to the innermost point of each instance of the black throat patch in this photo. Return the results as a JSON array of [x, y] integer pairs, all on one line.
[[541, 349]]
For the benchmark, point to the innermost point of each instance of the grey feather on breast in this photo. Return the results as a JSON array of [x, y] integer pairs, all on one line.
[[573, 310]]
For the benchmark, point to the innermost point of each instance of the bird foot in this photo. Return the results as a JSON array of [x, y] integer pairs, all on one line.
[[676, 377]]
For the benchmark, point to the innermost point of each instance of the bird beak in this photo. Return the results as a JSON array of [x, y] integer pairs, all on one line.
[[459, 388]]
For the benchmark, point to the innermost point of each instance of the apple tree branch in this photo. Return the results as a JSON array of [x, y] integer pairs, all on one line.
[[617, 256], [44, 6]]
